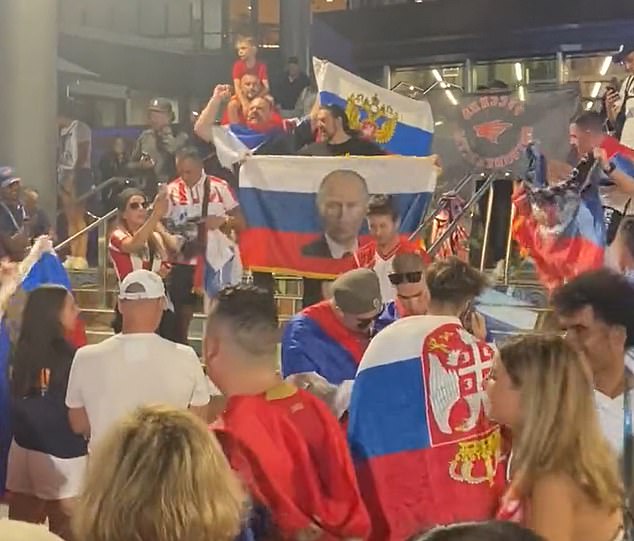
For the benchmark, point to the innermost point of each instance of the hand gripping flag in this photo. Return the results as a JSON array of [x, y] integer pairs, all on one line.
[[620, 155], [316, 341], [292, 455], [40, 267], [560, 227], [425, 452], [399, 124]]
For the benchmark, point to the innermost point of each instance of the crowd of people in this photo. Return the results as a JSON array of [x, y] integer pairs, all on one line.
[[390, 411]]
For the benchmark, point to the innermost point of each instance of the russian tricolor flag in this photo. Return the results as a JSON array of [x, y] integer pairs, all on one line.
[[399, 124], [425, 451], [290, 230]]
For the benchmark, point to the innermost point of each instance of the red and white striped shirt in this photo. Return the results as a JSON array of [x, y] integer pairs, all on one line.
[[186, 202], [370, 258], [125, 263]]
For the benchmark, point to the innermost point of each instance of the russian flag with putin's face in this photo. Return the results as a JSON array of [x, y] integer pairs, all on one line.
[[307, 215], [399, 124]]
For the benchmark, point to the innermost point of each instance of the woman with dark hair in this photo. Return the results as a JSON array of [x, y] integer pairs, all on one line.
[[46, 459], [140, 241]]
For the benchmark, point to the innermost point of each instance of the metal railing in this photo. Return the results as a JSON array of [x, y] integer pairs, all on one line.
[[487, 188], [102, 251]]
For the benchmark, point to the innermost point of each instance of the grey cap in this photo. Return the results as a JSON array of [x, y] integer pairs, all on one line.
[[160, 105], [357, 292]]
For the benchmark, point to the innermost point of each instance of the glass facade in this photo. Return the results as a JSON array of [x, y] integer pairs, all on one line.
[[594, 74]]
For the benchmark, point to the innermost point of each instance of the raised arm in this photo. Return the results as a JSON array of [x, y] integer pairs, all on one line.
[[204, 125]]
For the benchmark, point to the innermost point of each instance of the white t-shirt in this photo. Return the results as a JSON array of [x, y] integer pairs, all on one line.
[[610, 412], [111, 379]]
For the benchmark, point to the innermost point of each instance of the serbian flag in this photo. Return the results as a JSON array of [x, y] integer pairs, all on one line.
[[620, 155], [575, 244], [399, 124], [306, 215], [40, 267], [290, 452], [425, 452], [316, 341]]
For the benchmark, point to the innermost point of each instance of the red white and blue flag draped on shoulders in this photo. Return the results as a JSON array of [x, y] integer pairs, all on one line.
[[426, 452]]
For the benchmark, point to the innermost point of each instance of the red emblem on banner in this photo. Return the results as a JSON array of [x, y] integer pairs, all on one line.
[[491, 131]]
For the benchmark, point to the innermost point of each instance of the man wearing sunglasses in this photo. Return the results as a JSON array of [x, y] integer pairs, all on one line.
[[412, 294], [379, 254], [329, 338]]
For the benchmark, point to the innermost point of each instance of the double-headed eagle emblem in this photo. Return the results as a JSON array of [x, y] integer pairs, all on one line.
[[373, 119]]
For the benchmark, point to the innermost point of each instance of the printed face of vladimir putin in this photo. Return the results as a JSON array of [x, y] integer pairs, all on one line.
[[342, 203]]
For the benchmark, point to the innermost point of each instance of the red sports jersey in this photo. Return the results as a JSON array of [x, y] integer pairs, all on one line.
[[381, 263], [125, 263], [186, 202], [293, 456], [240, 69]]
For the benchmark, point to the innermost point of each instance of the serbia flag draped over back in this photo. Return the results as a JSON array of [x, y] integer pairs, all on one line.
[[425, 452], [399, 124]]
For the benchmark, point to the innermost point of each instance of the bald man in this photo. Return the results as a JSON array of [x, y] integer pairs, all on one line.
[[342, 202]]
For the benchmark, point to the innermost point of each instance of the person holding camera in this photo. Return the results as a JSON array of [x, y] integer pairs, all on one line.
[[620, 105], [204, 231], [153, 156]]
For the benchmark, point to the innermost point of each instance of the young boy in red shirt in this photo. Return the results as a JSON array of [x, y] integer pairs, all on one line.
[[284, 443], [247, 62]]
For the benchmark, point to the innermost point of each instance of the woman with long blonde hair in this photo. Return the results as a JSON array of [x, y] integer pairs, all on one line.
[[160, 476], [564, 477]]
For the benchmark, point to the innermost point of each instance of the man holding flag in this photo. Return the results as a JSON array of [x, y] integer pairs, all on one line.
[[263, 132], [207, 215]]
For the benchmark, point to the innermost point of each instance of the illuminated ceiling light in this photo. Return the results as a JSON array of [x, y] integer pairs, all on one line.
[[438, 123], [589, 105], [411, 88], [519, 71], [605, 66], [522, 93], [443, 84], [437, 75], [451, 97], [596, 89]]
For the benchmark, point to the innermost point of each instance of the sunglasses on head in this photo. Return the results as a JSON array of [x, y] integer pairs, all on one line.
[[397, 278], [135, 205]]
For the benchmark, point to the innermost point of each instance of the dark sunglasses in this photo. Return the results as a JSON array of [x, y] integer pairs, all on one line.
[[136, 206], [409, 277]]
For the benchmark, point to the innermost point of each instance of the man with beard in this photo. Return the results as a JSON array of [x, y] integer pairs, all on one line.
[[336, 138], [251, 88], [263, 132]]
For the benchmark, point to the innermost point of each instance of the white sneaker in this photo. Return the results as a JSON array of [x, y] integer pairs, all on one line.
[[80, 263]]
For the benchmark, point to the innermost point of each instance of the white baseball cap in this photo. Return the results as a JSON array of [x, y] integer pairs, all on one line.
[[141, 285]]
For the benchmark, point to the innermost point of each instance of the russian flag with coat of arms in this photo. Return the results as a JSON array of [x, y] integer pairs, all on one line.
[[424, 449], [401, 125]]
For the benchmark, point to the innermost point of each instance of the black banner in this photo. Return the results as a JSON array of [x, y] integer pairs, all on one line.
[[487, 132]]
